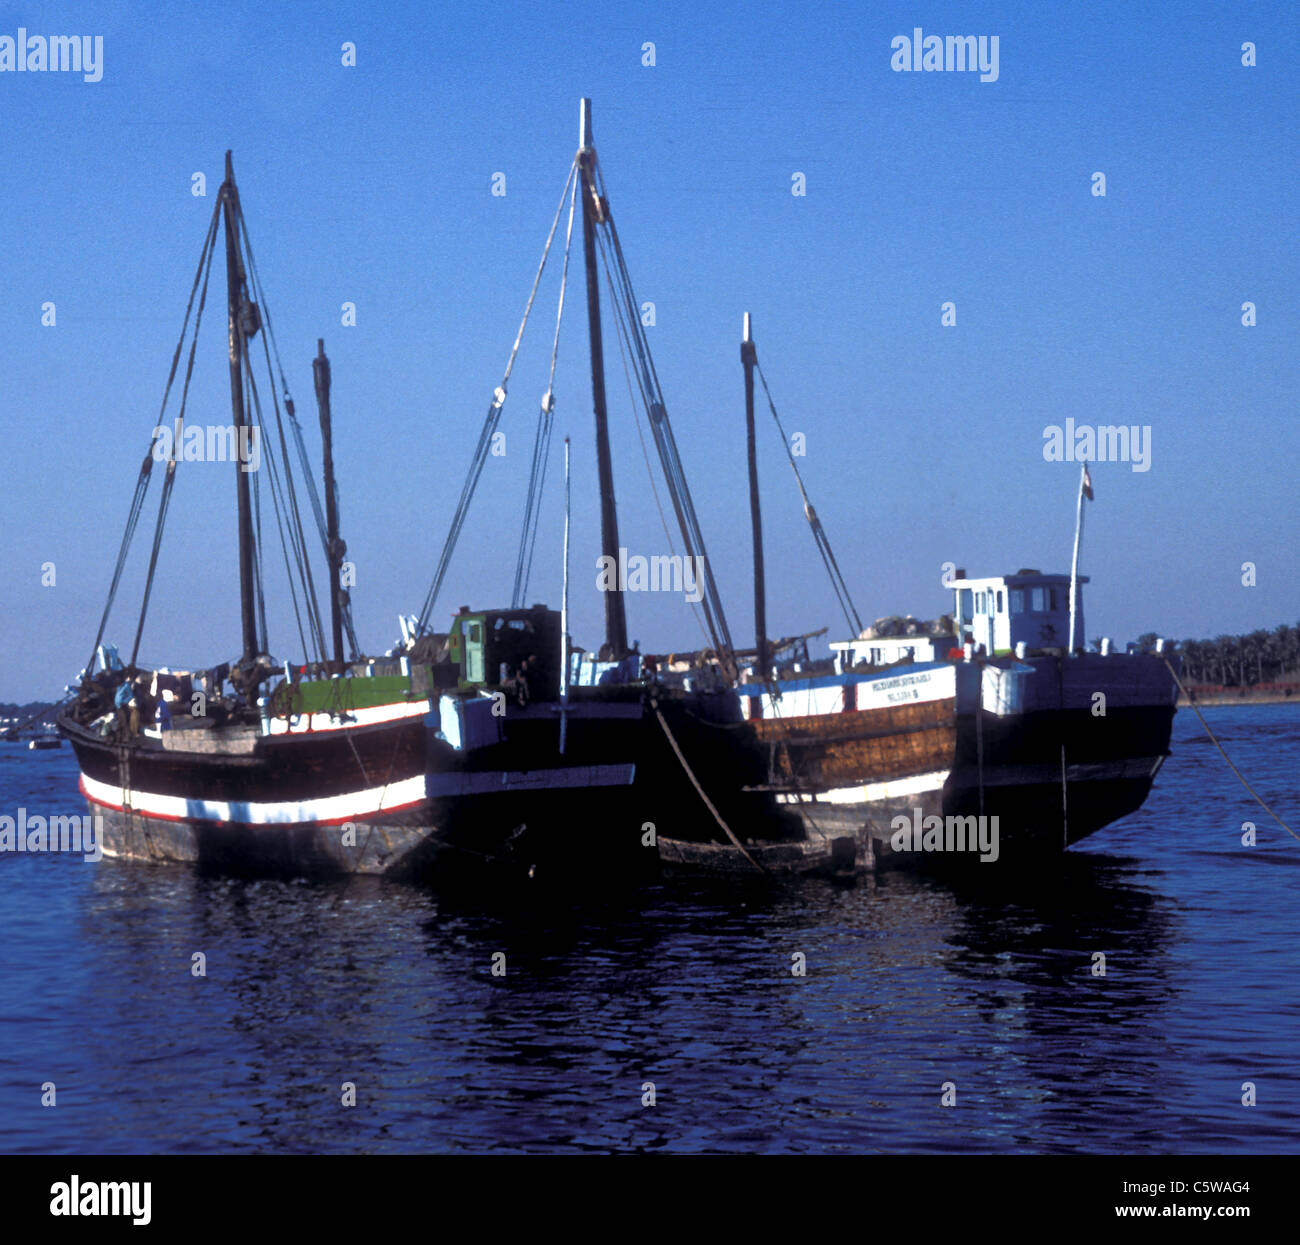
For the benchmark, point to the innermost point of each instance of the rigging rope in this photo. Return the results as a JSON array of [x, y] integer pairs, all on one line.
[[819, 533], [271, 346], [669, 456], [542, 441], [273, 478], [695, 782], [623, 350], [169, 478], [288, 514], [1240, 776], [490, 422], [146, 467], [292, 523], [259, 560]]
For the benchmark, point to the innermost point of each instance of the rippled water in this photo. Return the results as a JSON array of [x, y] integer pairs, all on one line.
[[911, 982]]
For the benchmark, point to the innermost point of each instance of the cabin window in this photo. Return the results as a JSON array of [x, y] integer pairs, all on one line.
[[1042, 600], [1000, 609], [848, 659], [1017, 600], [964, 597]]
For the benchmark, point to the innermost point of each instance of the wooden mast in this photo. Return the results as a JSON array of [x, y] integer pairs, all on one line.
[[749, 357], [320, 368], [592, 214], [235, 302]]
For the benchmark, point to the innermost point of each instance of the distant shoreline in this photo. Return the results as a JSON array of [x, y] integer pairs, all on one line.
[[1239, 696]]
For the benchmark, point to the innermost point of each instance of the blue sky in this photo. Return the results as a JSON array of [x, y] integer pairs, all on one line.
[[372, 184]]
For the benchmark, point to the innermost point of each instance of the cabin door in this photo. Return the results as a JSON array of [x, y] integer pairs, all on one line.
[[989, 625], [474, 653]]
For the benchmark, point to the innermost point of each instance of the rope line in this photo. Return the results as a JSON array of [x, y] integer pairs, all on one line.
[[700, 792], [542, 441], [490, 422], [838, 583], [169, 479], [1240, 776]]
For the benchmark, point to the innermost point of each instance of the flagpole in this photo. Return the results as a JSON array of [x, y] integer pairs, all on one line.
[[564, 614], [1074, 565]]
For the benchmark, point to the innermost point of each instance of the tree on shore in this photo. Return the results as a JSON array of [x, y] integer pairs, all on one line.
[[1244, 660]]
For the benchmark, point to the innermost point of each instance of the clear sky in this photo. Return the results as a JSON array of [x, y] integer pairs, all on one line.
[[372, 184]]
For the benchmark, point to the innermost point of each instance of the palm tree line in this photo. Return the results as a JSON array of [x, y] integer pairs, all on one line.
[[1240, 660]]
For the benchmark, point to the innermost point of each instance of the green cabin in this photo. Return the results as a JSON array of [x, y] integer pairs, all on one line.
[[489, 648]]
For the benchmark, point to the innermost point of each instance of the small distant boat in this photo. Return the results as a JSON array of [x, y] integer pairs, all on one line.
[[41, 742]]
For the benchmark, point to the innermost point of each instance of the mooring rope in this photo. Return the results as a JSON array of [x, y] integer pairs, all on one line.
[[1240, 776], [726, 829]]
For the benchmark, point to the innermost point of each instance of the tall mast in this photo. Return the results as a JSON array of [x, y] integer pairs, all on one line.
[[749, 356], [236, 301], [592, 214], [320, 367]]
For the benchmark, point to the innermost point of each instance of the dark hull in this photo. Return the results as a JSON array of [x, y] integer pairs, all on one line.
[[400, 799], [1039, 756], [393, 846], [1036, 814], [322, 803], [551, 819]]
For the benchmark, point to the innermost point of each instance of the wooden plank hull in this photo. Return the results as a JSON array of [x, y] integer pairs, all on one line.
[[824, 752], [836, 854], [1055, 751], [234, 801]]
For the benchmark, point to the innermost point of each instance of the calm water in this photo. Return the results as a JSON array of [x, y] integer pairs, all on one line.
[[910, 983]]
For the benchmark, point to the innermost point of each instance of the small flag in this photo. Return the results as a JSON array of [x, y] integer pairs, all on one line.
[[1087, 483]]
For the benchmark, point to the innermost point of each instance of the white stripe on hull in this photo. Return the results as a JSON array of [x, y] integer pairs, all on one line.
[[334, 808], [994, 776], [1038, 775], [802, 699], [359, 804], [873, 791]]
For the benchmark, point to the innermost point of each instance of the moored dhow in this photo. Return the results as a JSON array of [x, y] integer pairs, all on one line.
[[555, 760], [496, 742], [252, 765], [991, 719], [1053, 745]]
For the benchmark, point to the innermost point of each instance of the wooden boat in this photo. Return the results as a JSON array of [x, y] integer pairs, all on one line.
[[495, 742], [606, 751], [262, 766], [995, 721], [1018, 739]]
